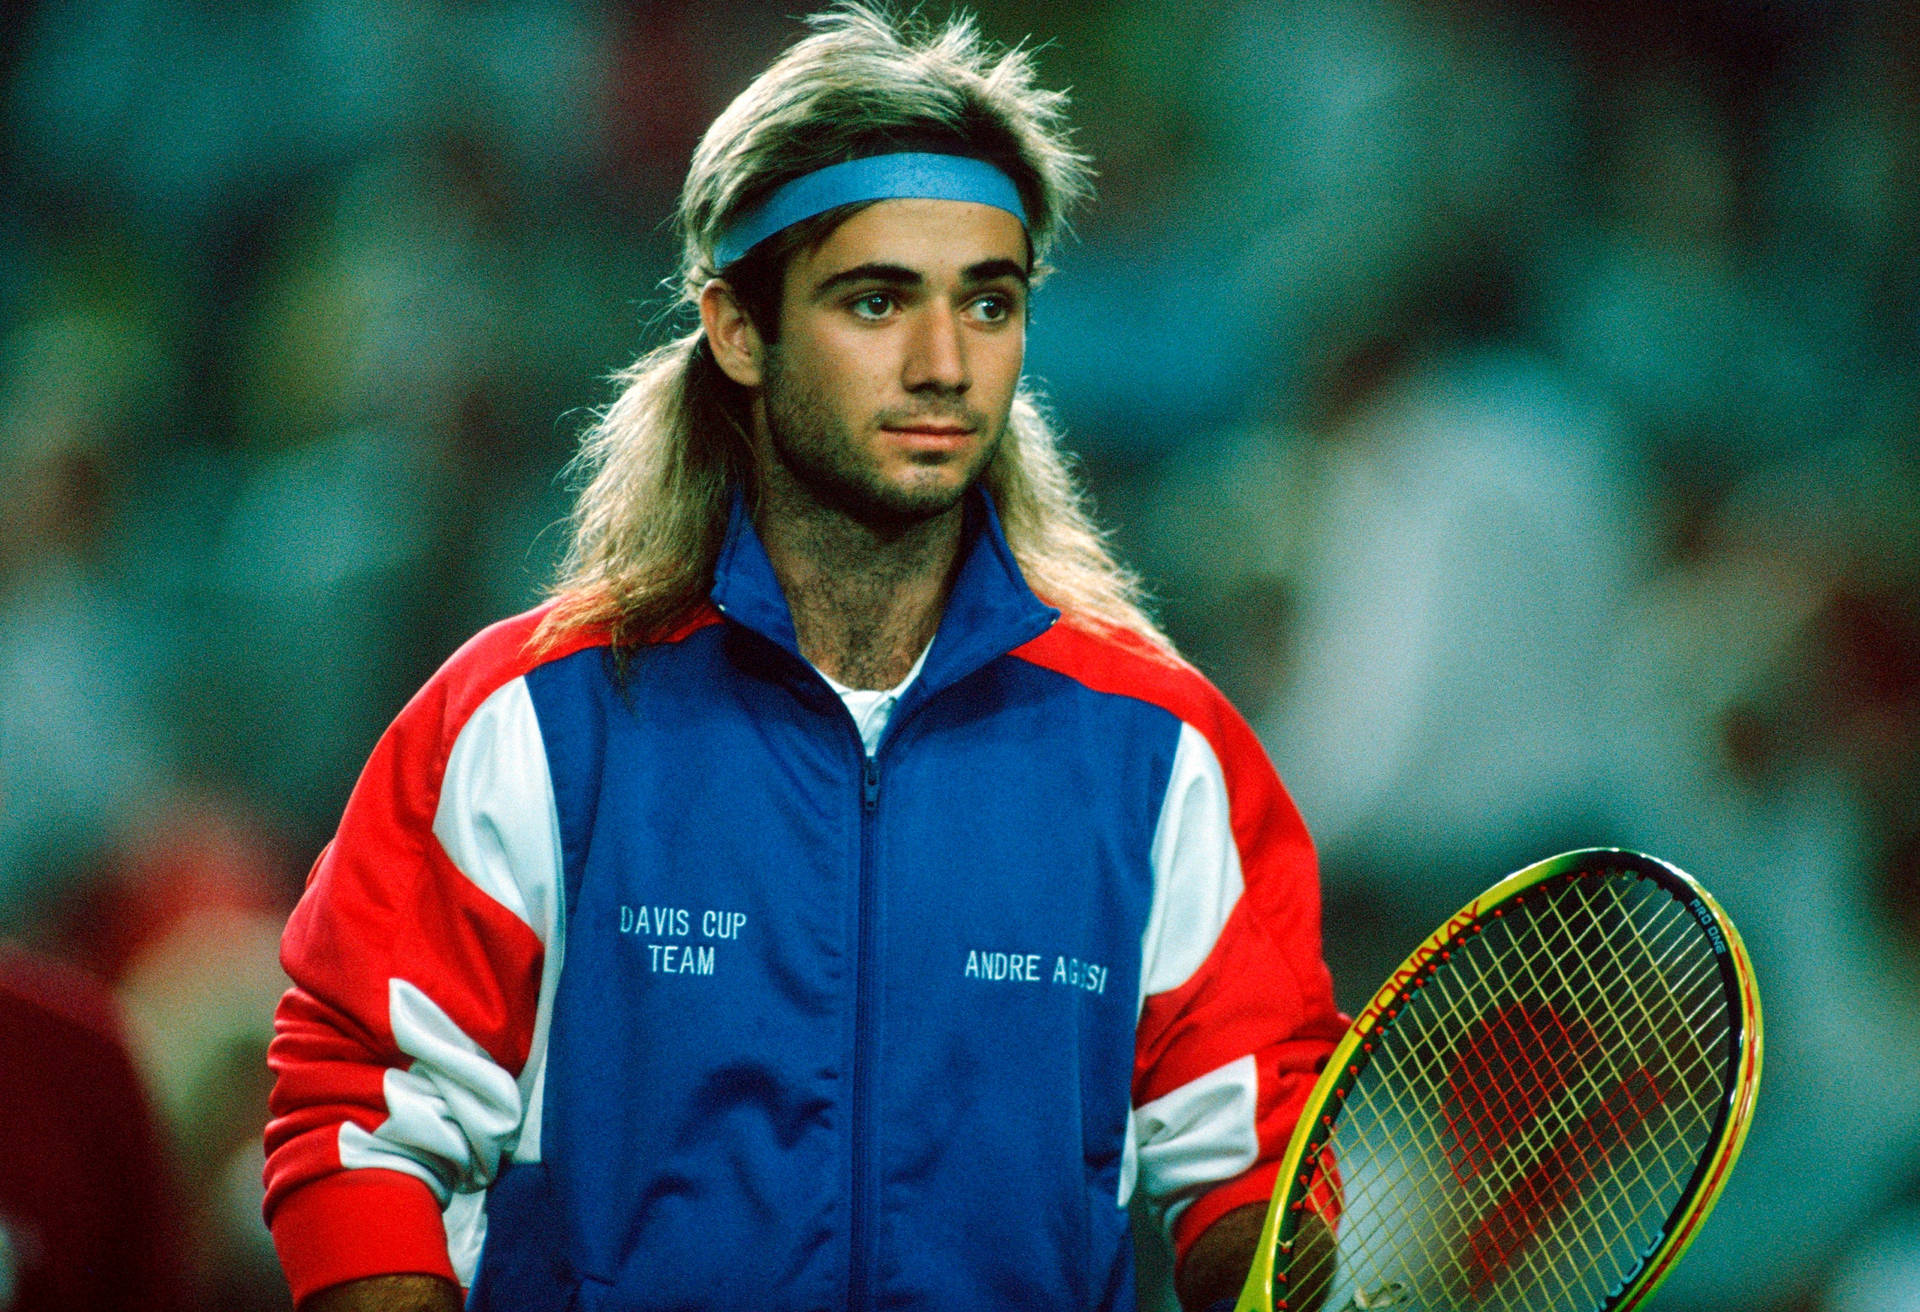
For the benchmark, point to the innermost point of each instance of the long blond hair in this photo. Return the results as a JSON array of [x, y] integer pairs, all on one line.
[[658, 466]]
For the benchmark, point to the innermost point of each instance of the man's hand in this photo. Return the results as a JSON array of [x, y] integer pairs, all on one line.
[[1216, 1265], [388, 1294]]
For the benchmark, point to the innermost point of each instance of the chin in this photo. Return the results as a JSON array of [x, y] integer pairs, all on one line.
[[906, 508]]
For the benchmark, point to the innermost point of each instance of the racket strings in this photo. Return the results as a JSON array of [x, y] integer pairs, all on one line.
[[1525, 1122], [1524, 1203], [1579, 1134]]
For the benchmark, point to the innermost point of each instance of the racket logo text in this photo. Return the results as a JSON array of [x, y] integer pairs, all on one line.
[[1417, 965], [1707, 923]]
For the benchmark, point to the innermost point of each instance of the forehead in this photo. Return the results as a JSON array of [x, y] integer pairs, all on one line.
[[930, 237]]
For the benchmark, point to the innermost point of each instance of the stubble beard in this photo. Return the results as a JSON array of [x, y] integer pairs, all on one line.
[[818, 453]]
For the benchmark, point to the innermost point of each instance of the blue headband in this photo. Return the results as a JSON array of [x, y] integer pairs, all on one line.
[[877, 177]]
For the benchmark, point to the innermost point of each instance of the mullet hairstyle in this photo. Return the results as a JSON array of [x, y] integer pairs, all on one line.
[[657, 469]]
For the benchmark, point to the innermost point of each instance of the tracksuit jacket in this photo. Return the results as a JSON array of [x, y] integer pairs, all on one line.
[[644, 986]]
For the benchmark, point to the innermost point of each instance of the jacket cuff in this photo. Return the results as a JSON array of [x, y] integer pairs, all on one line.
[[356, 1224], [1256, 1186]]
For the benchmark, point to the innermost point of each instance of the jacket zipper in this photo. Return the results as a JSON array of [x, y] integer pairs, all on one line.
[[866, 985], [866, 972]]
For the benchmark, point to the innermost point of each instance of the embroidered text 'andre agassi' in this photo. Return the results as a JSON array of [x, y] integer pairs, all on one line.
[[1033, 968]]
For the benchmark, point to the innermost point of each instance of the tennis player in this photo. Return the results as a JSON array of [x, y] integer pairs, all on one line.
[[840, 895]]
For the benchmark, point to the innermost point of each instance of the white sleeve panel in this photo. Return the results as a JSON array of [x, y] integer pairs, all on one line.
[[1196, 868], [497, 822], [1203, 1131], [496, 818], [451, 1115], [1199, 1134]]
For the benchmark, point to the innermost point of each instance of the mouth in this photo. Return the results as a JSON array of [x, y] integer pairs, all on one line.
[[930, 427], [930, 437]]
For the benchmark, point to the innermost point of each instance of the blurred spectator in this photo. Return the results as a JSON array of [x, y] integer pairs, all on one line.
[[1442, 544], [183, 919], [89, 1217], [1447, 677]]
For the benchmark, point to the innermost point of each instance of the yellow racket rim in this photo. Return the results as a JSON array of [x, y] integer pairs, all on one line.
[[1706, 1182], [1686, 1224]]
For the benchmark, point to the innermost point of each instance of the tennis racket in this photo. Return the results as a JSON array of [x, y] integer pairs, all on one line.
[[1534, 1114]]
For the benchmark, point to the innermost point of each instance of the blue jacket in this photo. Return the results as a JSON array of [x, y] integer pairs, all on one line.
[[671, 996]]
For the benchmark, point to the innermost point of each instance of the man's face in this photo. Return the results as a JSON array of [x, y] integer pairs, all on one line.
[[901, 342]]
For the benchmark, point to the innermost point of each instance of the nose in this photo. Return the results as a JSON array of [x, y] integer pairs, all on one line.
[[936, 359]]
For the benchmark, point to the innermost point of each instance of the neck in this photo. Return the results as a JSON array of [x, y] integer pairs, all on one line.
[[866, 599]]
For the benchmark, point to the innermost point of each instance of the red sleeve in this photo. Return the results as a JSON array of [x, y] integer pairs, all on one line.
[[1263, 990], [388, 915]]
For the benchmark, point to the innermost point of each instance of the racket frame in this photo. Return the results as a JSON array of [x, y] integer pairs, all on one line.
[[1729, 1133]]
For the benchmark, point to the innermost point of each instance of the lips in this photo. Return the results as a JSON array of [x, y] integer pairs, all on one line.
[[929, 436], [930, 442]]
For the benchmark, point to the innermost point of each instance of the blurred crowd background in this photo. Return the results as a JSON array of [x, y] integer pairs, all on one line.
[[1512, 405]]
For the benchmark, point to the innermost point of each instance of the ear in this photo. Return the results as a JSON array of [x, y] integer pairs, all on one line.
[[730, 333]]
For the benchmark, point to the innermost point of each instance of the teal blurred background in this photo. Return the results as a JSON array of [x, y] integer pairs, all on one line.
[[1511, 403]]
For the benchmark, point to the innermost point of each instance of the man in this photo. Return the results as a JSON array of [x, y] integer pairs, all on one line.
[[840, 896]]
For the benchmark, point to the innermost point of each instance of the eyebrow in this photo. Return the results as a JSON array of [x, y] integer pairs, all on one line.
[[897, 275], [988, 270]]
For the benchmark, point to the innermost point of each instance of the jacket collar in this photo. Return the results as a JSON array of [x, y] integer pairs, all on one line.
[[990, 611]]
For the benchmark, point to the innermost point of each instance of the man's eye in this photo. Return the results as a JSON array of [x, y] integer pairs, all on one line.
[[874, 305], [993, 308]]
